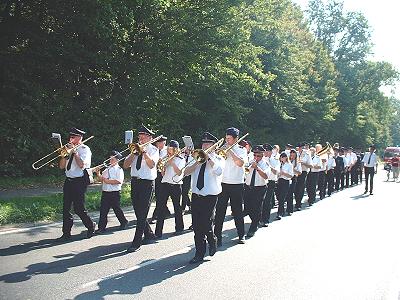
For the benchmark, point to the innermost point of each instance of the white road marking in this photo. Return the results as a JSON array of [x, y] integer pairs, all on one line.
[[133, 268]]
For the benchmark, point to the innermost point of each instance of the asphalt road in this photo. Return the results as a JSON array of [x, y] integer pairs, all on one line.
[[344, 247]]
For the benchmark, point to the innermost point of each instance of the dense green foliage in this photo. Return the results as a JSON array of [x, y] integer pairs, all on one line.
[[182, 67]]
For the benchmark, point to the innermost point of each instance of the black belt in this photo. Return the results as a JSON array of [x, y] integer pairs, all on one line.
[[74, 179], [140, 179]]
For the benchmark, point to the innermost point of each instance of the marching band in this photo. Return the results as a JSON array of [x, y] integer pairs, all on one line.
[[221, 171]]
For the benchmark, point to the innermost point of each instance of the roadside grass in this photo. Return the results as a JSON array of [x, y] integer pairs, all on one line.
[[7, 183], [48, 208]]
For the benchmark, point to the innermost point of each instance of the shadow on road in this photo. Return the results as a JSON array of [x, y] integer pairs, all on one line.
[[67, 262]]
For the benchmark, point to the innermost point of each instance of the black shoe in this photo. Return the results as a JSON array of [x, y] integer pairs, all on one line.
[[152, 221], [289, 214], [196, 260], [158, 235], [149, 237], [371, 193], [250, 234], [190, 227], [133, 248], [263, 224], [241, 240], [298, 208], [365, 192], [219, 242], [278, 218], [123, 226], [212, 247], [91, 231], [100, 231], [64, 237]]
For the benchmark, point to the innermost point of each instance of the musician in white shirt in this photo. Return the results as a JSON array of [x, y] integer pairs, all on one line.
[[322, 172], [297, 171], [353, 168], [112, 178], [347, 166], [171, 186], [232, 187], [255, 187], [143, 173], [275, 166], [312, 177], [285, 175], [74, 186], [330, 175], [305, 162], [370, 164], [206, 186]]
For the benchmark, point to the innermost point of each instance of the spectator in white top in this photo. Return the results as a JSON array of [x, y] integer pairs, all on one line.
[[112, 179], [297, 172], [312, 177]]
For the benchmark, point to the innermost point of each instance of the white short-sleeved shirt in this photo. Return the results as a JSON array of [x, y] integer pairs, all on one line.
[[259, 181], [316, 162], [145, 172], [234, 174], [170, 176], [287, 168], [86, 155], [372, 162], [297, 167], [116, 173], [305, 157], [331, 163], [212, 177], [346, 160], [275, 164]]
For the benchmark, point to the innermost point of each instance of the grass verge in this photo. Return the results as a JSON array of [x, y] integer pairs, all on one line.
[[48, 208], [7, 183]]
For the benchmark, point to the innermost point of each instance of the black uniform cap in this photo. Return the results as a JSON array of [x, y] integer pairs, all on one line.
[[258, 149], [76, 132], [208, 138], [144, 130]]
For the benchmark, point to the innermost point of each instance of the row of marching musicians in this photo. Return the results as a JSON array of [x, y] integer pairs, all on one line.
[[219, 174]]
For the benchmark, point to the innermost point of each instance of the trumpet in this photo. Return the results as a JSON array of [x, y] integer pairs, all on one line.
[[137, 148], [104, 164], [224, 152], [163, 161], [200, 155], [327, 149], [248, 165], [62, 151]]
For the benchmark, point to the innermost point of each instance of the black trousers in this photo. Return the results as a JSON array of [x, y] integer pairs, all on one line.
[[110, 200], [299, 190], [369, 173], [289, 195], [281, 192], [354, 175], [337, 180], [312, 179], [174, 191], [360, 173], [74, 195], [234, 193], [347, 177], [185, 192], [203, 208], [254, 195], [267, 202], [322, 184], [330, 181], [141, 194], [157, 194]]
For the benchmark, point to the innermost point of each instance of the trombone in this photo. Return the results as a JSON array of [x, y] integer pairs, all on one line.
[[63, 151], [163, 161], [224, 152], [137, 148], [200, 156]]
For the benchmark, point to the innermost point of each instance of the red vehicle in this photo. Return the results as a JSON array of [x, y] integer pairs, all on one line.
[[389, 153]]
